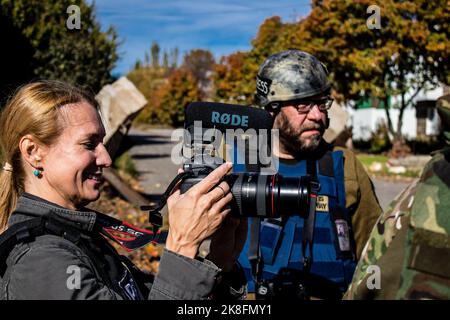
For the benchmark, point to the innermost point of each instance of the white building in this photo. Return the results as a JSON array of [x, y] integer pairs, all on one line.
[[419, 119]]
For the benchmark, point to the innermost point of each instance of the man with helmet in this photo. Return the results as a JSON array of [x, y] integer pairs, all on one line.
[[312, 255]]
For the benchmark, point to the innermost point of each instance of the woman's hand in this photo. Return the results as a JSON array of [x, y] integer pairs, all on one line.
[[198, 213]]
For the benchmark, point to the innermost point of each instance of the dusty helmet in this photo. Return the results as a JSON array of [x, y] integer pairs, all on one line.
[[289, 75]]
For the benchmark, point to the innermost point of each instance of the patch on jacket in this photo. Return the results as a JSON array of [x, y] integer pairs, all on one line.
[[322, 204], [129, 287]]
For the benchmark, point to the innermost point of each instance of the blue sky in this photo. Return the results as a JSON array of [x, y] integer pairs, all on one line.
[[217, 25]]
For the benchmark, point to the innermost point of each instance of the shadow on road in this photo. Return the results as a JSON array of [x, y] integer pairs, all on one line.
[[148, 139], [149, 156]]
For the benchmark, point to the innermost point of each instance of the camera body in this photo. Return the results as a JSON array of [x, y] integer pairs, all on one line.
[[255, 194]]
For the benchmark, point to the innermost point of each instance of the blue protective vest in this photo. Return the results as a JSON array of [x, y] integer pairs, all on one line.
[[333, 255]]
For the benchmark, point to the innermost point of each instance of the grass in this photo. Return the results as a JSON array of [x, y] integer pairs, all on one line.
[[126, 164], [368, 159]]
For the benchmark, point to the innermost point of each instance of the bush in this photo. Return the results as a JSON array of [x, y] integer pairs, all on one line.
[[379, 141], [125, 163], [426, 144]]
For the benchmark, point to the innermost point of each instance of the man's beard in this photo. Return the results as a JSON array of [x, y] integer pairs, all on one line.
[[290, 139]]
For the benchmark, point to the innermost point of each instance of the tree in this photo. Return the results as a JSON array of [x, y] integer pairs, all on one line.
[[235, 75], [230, 79], [138, 64], [267, 39], [155, 54], [155, 81], [174, 57], [407, 54], [165, 59], [200, 63], [174, 96], [49, 49], [149, 80]]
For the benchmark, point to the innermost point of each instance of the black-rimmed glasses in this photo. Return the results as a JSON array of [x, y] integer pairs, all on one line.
[[304, 106]]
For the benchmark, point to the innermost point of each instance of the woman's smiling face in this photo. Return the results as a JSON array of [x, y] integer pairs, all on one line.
[[72, 166]]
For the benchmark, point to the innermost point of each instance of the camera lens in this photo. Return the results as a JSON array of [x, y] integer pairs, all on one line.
[[269, 196]]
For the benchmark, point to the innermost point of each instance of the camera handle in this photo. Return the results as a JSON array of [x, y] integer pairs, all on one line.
[[155, 217]]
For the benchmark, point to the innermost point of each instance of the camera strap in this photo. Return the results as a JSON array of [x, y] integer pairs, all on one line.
[[308, 228], [254, 250], [127, 235], [254, 254], [155, 217]]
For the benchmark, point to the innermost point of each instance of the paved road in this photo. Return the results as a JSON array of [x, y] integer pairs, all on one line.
[[386, 191], [152, 156]]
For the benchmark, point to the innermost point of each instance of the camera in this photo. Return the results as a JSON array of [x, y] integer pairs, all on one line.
[[255, 194]]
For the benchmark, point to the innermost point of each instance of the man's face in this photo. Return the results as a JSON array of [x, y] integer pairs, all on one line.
[[300, 132]]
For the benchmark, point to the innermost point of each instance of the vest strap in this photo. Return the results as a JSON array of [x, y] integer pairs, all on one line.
[[326, 165], [308, 230]]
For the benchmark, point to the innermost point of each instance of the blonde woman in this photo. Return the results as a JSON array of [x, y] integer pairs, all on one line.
[[51, 139]]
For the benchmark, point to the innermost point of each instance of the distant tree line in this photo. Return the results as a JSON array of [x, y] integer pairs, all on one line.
[[408, 51], [169, 87]]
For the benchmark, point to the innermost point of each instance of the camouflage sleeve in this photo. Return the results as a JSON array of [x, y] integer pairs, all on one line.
[[426, 273], [360, 200], [408, 254], [382, 257]]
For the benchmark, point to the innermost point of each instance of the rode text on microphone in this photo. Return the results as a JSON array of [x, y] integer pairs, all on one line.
[[217, 131]]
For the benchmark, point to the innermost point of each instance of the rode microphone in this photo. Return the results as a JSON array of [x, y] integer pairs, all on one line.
[[222, 116]]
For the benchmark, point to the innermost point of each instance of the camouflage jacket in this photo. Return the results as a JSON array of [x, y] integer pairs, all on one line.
[[408, 252]]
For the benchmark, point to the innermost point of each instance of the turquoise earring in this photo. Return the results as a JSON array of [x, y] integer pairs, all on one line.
[[37, 172]]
